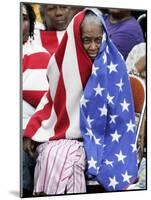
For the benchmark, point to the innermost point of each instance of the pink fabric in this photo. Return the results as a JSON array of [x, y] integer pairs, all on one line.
[[60, 167]]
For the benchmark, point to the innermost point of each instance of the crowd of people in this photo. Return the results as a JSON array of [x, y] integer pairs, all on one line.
[[78, 113]]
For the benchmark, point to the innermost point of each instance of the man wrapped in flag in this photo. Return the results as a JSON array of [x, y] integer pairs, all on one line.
[[89, 97]]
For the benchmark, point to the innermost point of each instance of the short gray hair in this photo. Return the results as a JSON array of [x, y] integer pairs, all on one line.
[[90, 17]]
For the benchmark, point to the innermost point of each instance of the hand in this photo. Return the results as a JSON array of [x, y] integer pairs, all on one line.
[[29, 146]]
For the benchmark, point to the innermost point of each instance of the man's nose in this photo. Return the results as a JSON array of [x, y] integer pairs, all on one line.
[[58, 10], [93, 45]]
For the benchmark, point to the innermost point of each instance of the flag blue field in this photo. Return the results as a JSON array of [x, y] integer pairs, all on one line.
[[107, 121]]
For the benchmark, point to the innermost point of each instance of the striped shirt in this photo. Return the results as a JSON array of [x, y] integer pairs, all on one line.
[[36, 54]]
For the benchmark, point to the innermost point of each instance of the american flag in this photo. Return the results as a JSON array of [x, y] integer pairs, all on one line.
[[57, 115], [92, 99], [107, 120], [36, 54]]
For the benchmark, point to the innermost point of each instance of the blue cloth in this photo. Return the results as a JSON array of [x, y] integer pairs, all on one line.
[[125, 34], [28, 171], [107, 120]]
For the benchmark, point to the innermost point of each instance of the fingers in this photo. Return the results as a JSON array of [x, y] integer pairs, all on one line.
[[29, 146]]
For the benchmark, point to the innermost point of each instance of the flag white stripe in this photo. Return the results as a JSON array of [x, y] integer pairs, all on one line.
[[42, 103], [53, 75], [60, 35], [42, 134], [34, 46], [73, 86], [36, 76]]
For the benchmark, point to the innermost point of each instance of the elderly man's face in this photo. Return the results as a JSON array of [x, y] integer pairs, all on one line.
[[91, 35], [56, 17]]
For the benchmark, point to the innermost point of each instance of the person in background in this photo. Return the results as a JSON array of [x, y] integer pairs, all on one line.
[[136, 61], [88, 109], [124, 30], [34, 84], [34, 65], [55, 19], [38, 21], [38, 47]]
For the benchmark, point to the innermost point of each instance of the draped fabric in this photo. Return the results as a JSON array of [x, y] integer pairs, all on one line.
[[36, 55], [34, 67], [57, 115], [50, 39], [60, 167], [93, 101], [107, 120]]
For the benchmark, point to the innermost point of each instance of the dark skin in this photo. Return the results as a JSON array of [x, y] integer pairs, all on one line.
[[29, 146], [56, 18], [91, 35], [117, 15]]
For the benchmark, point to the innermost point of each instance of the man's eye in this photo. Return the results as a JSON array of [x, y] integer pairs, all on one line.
[[50, 8], [86, 40], [98, 40]]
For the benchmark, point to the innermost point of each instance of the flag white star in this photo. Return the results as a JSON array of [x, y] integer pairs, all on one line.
[[130, 126], [121, 157], [125, 105], [113, 182], [83, 101], [104, 37], [89, 120], [97, 141], [92, 163], [97, 170], [112, 67], [115, 136], [103, 110], [113, 117], [107, 49], [107, 162], [126, 177], [89, 133], [98, 90], [134, 147], [94, 69], [110, 99], [120, 84], [104, 58]]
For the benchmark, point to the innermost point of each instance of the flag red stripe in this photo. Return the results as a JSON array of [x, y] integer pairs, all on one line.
[[49, 40], [59, 55], [60, 109], [60, 97], [33, 96], [84, 62], [36, 120], [36, 61]]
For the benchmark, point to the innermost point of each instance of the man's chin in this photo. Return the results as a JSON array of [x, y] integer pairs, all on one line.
[[60, 27], [92, 57]]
